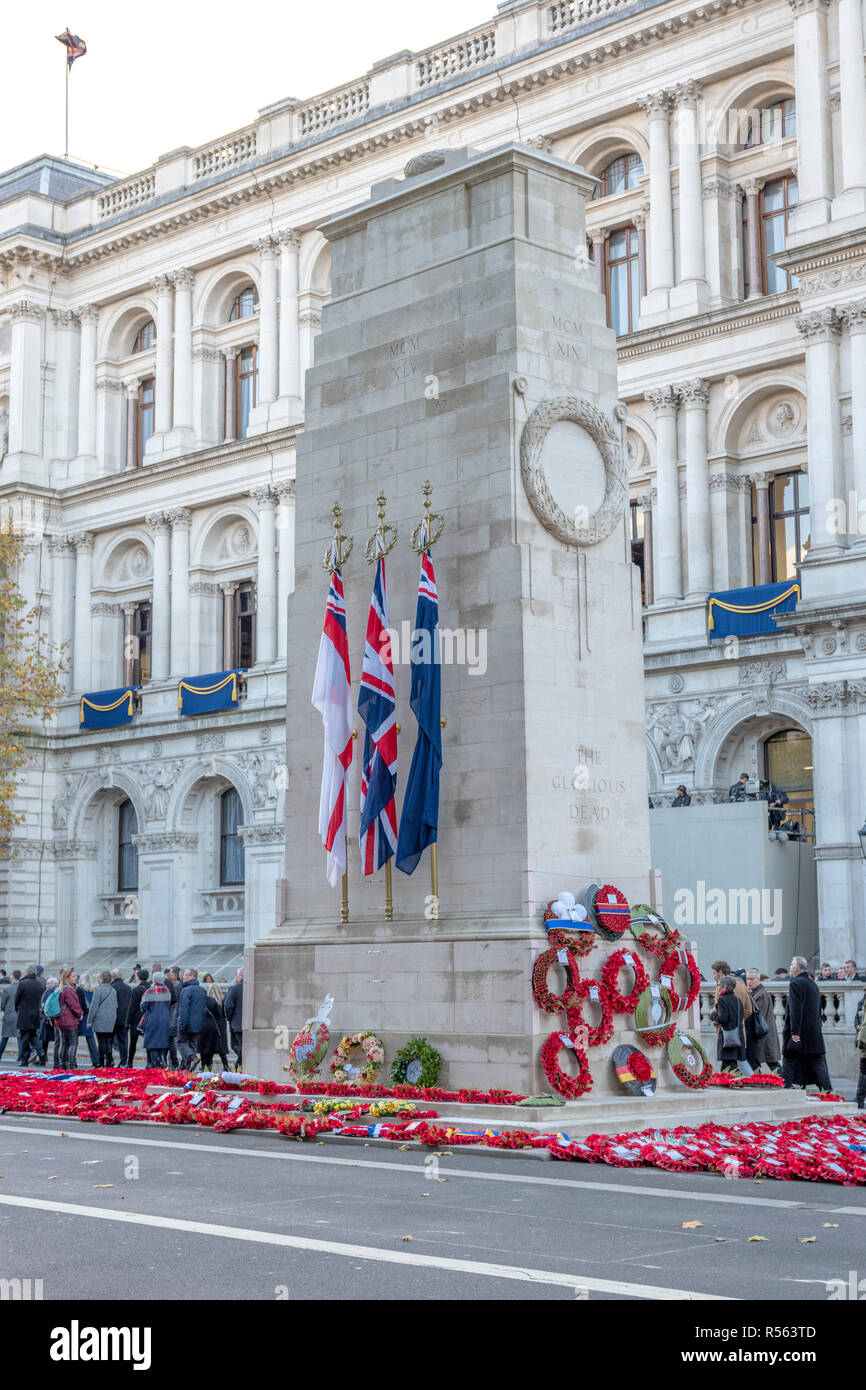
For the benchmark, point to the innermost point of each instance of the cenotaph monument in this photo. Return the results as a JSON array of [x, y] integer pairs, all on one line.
[[465, 345]]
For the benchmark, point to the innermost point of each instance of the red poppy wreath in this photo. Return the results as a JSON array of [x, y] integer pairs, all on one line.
[[617, 961]]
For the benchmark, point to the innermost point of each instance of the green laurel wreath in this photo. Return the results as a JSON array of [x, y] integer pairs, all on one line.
[[430, 1059]]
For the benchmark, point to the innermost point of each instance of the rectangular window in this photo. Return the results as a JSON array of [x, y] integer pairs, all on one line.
[[231, 844], [245, 627], [246, 387], [142, 627], [623, 280], [789, 527], [146, 399], [778, 198], [638, 548]]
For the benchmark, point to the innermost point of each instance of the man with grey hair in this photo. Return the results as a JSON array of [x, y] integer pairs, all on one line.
[[763, 1047], [803, 1047]]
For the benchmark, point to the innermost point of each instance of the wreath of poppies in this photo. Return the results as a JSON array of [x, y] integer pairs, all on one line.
[[572, 1087], [680, 960], [658, 1037], [617, 961], [611, 911], [659, 939], [547, 1001], [597, 994], [580, 943], [696, 1081], [309, 1048], [374, 1055], [417, 1064]]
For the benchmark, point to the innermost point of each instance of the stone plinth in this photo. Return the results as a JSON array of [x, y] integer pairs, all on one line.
[[465, 343]]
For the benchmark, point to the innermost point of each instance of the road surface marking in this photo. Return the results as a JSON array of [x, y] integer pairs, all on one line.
[[368, 1252]]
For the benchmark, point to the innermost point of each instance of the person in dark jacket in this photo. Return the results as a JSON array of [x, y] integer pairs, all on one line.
[[156, 1009], [172, 984], [121, 1026], [765, 1049], [737, 792], [28, 996], [233, 1008], [69, 1019], [134, 1014], [803, 1047], [682, 797], [85, 994], [213, 1037], [728, 1016], [102, 1017], [8, 1014], [776, 799], [190, 1019]]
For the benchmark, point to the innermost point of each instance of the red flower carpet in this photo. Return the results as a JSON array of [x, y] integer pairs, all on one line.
[[819, 1148]]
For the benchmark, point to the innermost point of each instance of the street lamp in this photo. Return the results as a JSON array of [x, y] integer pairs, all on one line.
[[862, 833]]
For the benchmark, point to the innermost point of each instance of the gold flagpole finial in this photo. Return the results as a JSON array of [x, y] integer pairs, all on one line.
[[341, 546], [424, 536], [378, 544]]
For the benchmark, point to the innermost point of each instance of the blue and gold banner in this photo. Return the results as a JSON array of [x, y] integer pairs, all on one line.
[[202, 694], [749, 612], [103, 709]]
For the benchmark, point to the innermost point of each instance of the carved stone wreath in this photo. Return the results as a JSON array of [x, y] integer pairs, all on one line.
[[606, 437]]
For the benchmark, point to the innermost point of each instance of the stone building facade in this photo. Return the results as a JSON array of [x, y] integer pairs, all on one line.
[[154, 335]]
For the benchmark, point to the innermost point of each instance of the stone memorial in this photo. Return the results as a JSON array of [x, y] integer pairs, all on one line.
[[465, 344]]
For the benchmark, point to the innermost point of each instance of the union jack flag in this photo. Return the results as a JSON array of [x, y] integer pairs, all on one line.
[[419, 819], [332, 697], [378, 838], [75, 47]]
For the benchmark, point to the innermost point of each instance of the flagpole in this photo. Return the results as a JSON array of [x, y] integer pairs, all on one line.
[[66, 141], [344, 893]]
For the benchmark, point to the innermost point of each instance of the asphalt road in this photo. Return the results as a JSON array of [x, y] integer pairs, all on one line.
[[182, 1213]]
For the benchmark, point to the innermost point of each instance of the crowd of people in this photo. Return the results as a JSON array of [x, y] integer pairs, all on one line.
[[746, 1034], [180, 1020]]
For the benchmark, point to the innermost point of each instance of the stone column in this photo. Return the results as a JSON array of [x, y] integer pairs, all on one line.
[[266, 587], [132, 460], [820, 331], [129, 643], [285, 559], [692, 292], [231, 426], [229, 588], [162, 417], [62, 590], [854, 318], [814, 148], [761, 483], [752, 194], [852, 91], [82, 637], [668, 549], [694, 396], [290, 356], [180, 518], [640, 220], [661, 248], [268, 360], [648, 549], [161, 610], [66, 348], [25, 374], [183, 283], [87, 382], [598, 237], [309, 321]]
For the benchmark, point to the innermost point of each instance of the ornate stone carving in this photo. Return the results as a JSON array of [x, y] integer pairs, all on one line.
[[309, 318], [676, 727], [264, 495], [853, 315], [265, 246], [423, 163], [656, 103], [826, 697], [783, 418], [209, 741], [157, 780], [139, 562], [260, 768], [104, 610], [83, 540], [110, 386], [158, 522], [694, 392], [676, 684], [264, 735], [181, 517], [162, 284], [607, 439], [663, 399], [183, 278], [819, 323], [857, 691], [724, 482], [202, 588], [834, 277], [169, 841], [762, 672], [262, 834], [26, 311], [686, 93], [207, 354], [64, 802], [860, 641], [287, 236], [65, 318], [241, 540]]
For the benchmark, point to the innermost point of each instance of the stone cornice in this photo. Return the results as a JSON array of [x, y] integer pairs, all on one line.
[[716, 325]]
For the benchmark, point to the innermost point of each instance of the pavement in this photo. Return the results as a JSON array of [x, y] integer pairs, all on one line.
[[189, 1214]]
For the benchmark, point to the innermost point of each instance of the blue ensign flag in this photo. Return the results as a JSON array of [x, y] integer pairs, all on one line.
[[419, 820]]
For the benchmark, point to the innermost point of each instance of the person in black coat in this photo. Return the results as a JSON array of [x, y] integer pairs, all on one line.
[[682, 798], [121, 1027], [135, 1013], [214, 1034], [803, 1052], [728, 1014], [233, 1008], [28, 997]]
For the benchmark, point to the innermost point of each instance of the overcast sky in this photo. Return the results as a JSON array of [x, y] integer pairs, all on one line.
[[182, 72]]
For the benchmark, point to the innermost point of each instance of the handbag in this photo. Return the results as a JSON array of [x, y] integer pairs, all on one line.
[[760, 1026], [731, 1037]]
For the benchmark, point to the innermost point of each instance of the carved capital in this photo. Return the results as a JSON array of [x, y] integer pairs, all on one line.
[[853, 315], [686, 93], [183, 278], [750, 188], [180, 518], [266, 247], [206, 354], [694, 393], [760, 481], [819, 325], [87, 313], [26, 311], [230, 353], [310, 318], [597, 235], [288, 239], [663, 399], [264, 495], [162, 284], [65, 318], [83, 541], [158, 522], [656, 104]]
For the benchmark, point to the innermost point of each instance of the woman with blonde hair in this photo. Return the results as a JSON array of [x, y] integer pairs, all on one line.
[[70, 1016]]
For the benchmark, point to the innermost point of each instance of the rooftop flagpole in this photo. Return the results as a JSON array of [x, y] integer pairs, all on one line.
[[75, 48]]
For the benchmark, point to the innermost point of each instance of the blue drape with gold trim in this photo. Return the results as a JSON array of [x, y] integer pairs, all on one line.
[[748, 612], [202, 694], [104, 709]]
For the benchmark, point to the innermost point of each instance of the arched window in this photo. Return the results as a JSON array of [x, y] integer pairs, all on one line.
[[622, 173], [245, 303], [788, 766], [231, 844], [246, 386], [127, 853], [774, 122], [145, 337], [144, 418]]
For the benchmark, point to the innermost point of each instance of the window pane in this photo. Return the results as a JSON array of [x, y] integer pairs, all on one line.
[[783, 493], [231, 845], [774, 196], [771, 123], [616, 176], [774, 235], [634, 170], [246, 404], [756, 564], [745, 252], [617, 245], [637, 522], [789, 119], [619, 298], [634, 289], [793, 193], [803, 491]]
